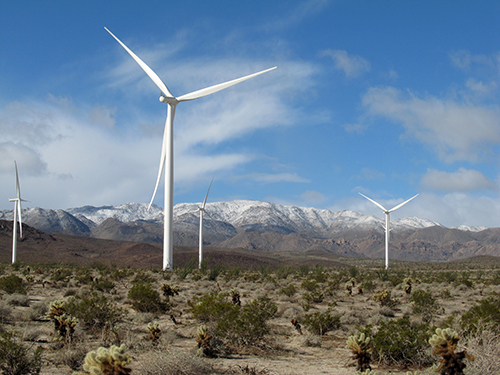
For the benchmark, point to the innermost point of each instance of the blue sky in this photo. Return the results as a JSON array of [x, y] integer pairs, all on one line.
[[386, 98]]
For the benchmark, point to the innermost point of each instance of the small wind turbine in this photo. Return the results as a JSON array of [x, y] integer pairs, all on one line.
[[167, 149], [387, 230], [17, 211], [201, 209]]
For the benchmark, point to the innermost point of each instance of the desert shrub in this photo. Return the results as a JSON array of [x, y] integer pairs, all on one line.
[[84, 276], [485, 346], [95, 310], [282, 272], [486, 312], [368, 285], [186, 270], [402, 342], [145, 299], [73, 356], [18, 359], [320, 323], [120, 274], [309, 285], [18, 300], [211, 307], [175, 362], [247, 325], [103, 285], [215, 272], [424, 304], [314, 297], [142, 277], [61, 274], [12, 284], [289, 290], [232, 273]]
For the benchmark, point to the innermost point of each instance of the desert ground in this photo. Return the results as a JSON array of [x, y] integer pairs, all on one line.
[[337, 299]]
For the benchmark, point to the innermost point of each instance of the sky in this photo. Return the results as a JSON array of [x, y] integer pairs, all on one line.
[[385, 98]]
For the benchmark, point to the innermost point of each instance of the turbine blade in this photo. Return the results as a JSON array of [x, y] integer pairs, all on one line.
[[162, 163], [371, 200], [206, 196], [402, 204], [18, 203], [220, 86], [18, 189], [154, 77]]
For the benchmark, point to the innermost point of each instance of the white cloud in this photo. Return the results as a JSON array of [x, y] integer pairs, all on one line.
[[455, 130], [352, 65], [463, 180]]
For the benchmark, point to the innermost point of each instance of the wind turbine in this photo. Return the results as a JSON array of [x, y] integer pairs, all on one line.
[[17, 211], [167, 149], [201, 209], [387, 230]]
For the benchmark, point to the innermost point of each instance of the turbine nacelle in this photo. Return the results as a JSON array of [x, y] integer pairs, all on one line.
[[168, 100]]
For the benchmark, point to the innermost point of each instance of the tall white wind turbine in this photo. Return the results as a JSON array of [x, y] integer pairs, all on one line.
[[17, 216], [167, 149], [201, 209], [387, 220]]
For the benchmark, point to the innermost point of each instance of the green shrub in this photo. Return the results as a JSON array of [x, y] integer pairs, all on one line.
[[309, 285], [402, 342], [247, 325], [211, 307], [314, 297], [186, 270], [142, 277], [215, 272], [95, 311], [18, 359], [61, 274], [12, 284], [320, 323], [484, 313], [289, 290], [145, 299], [424, 304], [103, 285]]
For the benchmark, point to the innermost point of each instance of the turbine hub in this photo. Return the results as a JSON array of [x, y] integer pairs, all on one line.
[[168, 100]]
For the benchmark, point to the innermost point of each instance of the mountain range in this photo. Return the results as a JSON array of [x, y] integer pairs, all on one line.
[[266, 226]]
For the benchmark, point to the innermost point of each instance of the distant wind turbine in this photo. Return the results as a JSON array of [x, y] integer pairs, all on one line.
[[167, 149], [17, 215], [201, 209], [387, 230]]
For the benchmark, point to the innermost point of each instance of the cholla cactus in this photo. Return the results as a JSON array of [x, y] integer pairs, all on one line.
[[204, 340], [348, 288], [384, 298], [361, 346], [56, 308], [65, 326], [235, 297], [170, 291], [106, 361], [407, 287], [154, 332], [445, 342]]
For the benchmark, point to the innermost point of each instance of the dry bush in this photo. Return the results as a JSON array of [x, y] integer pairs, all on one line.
[[485, 346], [174, 362], [17, 299]]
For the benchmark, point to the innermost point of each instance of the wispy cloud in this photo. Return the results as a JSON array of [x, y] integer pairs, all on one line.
[[455, 130], [352, 65], [463, 180]]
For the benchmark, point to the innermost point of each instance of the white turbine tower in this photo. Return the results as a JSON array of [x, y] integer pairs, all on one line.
[[387, 220], [167, 149], [201, 209], [17, 216]]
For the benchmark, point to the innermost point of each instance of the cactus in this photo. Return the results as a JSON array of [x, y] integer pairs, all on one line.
[[407, 287], [445, 343], [106, 361], [235, 297], [204, 340], [66, 326], [384, 298], [56, 308], [361, 346], [154, 332], [297, 326], [348, 288], [170, 291]]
